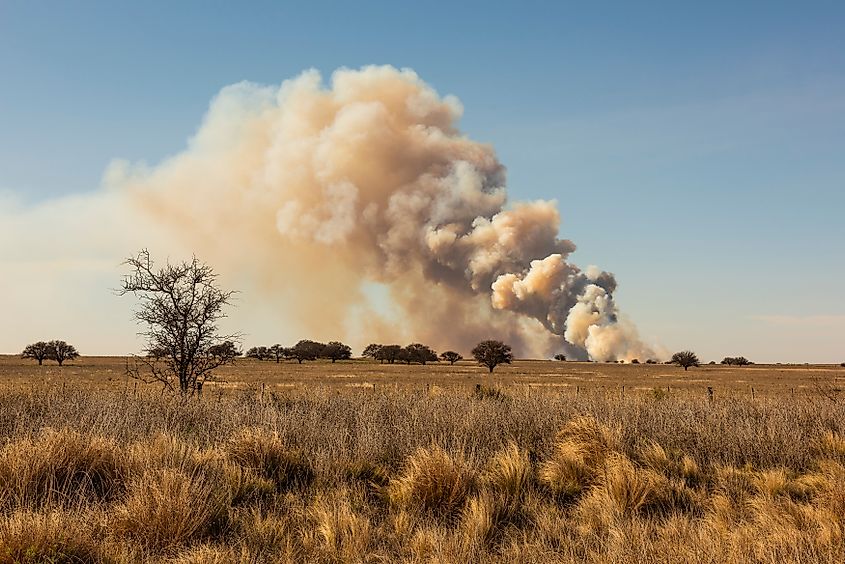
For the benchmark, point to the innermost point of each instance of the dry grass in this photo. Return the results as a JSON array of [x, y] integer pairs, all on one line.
[[419, 474]]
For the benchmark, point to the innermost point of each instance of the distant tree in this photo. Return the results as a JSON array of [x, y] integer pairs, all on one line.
[[37, 351], [306, 350], [259, 353], [277, 352], [60, 351], [180, 306], [685, 359], [226, 349], [635, 361], [389, 354], [560, 357], [420, 353], [451, 357], [335, 350], [372, 351], [492, 353], [651, 361], [736, 361]]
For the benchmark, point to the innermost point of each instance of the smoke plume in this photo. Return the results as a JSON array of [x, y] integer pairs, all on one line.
[[321, 197]]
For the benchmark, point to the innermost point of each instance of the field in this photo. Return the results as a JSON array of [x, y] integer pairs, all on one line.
[[362, 462]]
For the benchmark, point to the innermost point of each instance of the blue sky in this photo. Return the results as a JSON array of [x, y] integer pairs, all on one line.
[[697, 150]]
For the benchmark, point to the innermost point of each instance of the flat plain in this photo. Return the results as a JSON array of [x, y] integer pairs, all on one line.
[[363, 462], [521, 377]]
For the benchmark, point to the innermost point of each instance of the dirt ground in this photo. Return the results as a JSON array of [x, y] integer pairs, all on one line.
[[522, 376]]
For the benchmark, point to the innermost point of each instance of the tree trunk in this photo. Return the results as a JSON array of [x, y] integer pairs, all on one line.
[[491, 368], [40, 361], [686, 368]]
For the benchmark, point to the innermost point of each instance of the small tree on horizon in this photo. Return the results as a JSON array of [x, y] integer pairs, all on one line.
[[451, 357], [277, 352], [389, 353], [37, 351], [259, 353], [226, 349], [372, 351], [685, 359], [420, 353], [335, 350], [492, 353], [306, 350], [736, 361], [60, 351], [561, 357]]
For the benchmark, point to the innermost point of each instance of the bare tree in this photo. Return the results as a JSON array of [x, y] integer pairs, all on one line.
[[37, 351], [492, 354], [60, 351], [685, 359], [451, 357], [180, 306], [335, 350]]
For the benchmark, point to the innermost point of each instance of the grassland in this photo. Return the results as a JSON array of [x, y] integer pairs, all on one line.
[[360, 462]]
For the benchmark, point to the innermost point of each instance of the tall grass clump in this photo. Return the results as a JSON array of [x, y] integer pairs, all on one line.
[[432, 482]]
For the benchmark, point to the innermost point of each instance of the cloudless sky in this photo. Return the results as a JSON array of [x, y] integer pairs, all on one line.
[[696, 149]]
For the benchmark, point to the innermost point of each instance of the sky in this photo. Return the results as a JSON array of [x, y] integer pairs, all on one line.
[[696, 150]]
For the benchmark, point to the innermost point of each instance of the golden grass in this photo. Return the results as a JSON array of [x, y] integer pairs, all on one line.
[[415, 474]]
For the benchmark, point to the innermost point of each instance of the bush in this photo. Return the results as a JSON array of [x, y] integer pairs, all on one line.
[[61, 467], [433, 483], [265, 453], [53, 537], [167, 508]]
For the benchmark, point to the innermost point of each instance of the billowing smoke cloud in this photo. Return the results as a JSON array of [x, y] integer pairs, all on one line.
[[317, 197]]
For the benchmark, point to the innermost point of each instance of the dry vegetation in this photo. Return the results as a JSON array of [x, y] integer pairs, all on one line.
[[313, 469]]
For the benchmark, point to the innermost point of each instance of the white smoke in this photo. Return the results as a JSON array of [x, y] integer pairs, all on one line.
[[312, 192]]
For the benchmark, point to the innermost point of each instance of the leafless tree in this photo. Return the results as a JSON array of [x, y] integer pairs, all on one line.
[[180, 306]]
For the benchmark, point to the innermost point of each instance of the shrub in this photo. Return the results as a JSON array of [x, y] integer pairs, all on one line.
[[265, 453], [432, 482], [166, 508], [55, 537], [61, 467]]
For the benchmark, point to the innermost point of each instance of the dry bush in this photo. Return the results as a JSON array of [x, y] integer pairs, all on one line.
[[61, 467], [339, 533], [265, 453], [579, 452], [166, 508], [432, 482], [57, 537]]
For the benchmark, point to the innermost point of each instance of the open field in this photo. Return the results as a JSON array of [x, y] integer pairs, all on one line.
[[523, 376], [360, 462]]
